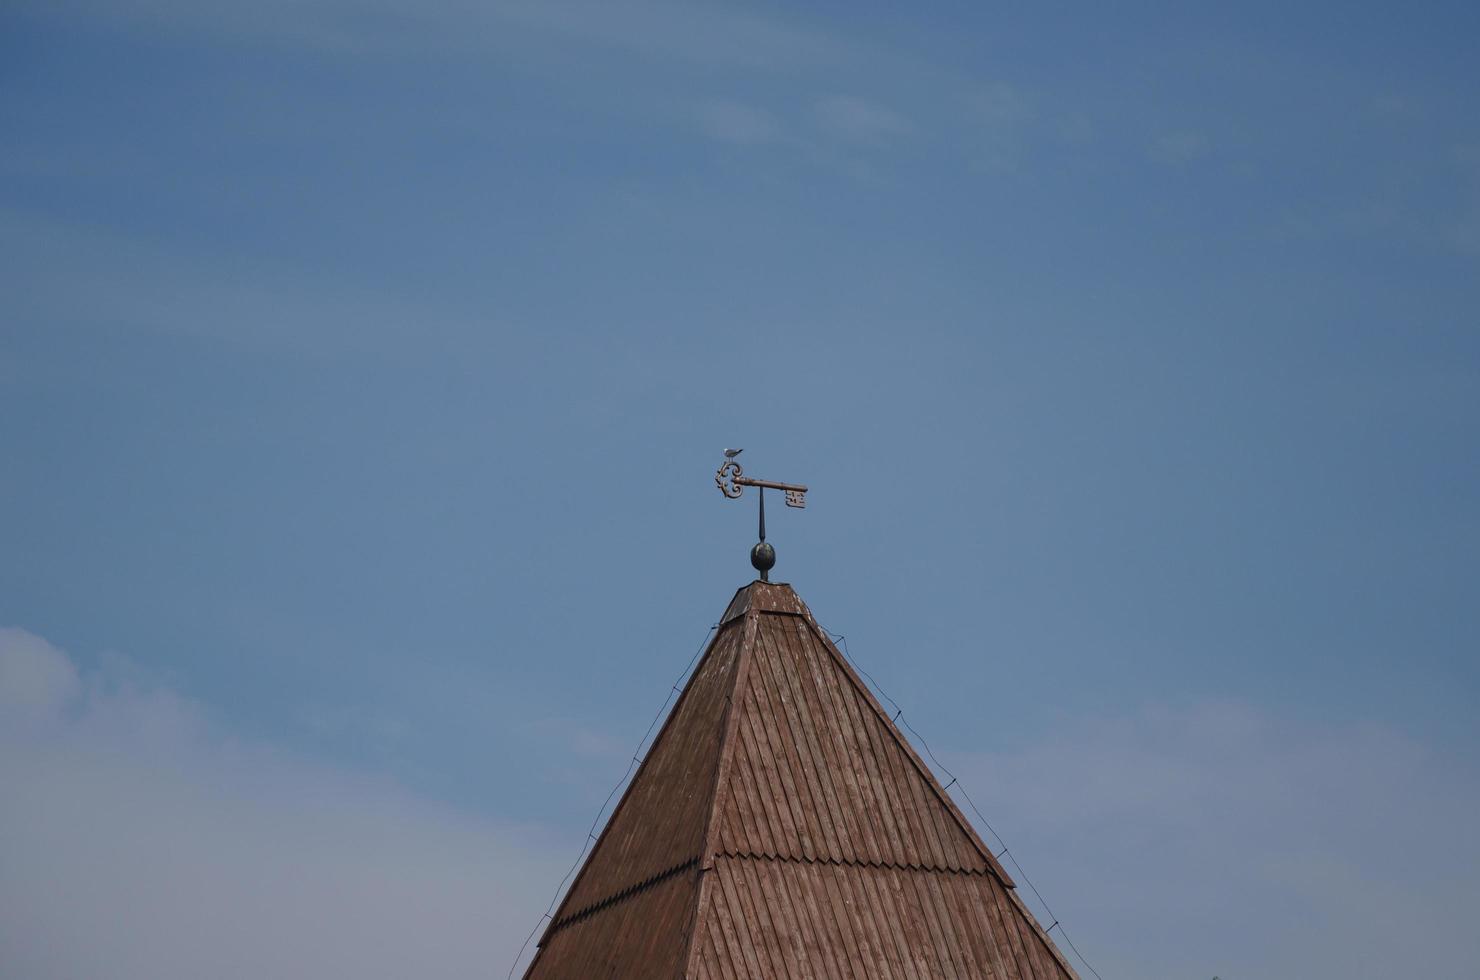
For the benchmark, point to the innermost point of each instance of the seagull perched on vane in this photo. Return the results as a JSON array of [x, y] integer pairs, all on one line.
[[732, 453]]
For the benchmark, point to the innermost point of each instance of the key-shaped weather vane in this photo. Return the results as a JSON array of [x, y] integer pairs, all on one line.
[[730, 479]]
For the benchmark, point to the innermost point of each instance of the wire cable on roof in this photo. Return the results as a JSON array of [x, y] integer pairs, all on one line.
[[839, 638], [631, 766]]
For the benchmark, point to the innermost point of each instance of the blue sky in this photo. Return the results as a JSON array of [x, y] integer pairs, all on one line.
[[364, 365]]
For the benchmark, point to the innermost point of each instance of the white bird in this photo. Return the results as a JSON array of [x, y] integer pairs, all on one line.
[[732, 453]]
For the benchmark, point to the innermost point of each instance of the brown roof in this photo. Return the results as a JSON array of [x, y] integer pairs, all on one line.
[[781, 826]]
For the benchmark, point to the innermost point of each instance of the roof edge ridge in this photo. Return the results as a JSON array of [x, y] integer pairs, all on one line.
[[994, 866], [717, 790], [710, 646], [940, 793]]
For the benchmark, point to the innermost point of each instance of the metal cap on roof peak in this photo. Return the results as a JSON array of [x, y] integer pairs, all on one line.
[[763, 596]]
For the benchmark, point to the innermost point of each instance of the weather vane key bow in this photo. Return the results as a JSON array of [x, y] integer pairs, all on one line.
[[731, 480]]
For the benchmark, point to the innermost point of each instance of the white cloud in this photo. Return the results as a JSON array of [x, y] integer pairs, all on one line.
[[138, 842], [859, 120], [1221, 840], [36, 679]]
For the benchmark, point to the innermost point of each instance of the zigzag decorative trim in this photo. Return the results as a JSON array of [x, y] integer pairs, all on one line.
[[622, 895], [847, 863], [661, 876]]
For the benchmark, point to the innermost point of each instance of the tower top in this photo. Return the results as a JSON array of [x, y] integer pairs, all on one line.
[[782, 826]]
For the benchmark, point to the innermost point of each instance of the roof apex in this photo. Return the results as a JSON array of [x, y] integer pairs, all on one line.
[[777, 597]]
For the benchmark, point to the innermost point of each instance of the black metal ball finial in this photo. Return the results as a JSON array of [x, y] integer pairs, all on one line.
[[763, 557]]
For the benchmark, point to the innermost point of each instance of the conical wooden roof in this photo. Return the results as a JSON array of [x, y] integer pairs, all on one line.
[[782, 827]]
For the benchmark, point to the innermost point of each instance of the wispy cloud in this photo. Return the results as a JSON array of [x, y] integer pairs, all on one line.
[[1392, 106], [859, 120], [1075, 129], [999, 114], [705, 34], [1000, 104], [1462, 228], [738, 123], [61, 271], [1181, 146], [140, 841]]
